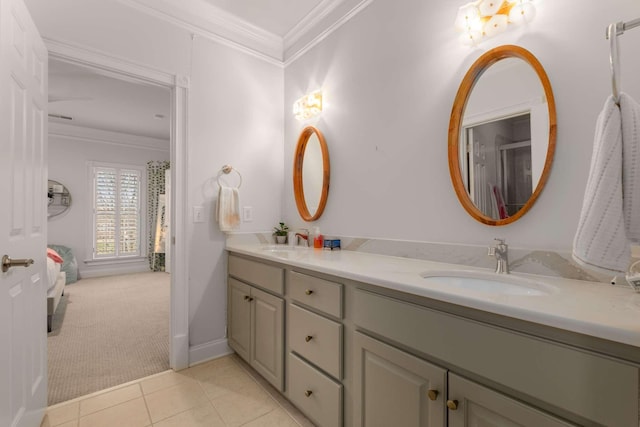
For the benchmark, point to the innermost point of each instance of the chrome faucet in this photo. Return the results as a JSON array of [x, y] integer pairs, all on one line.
[[304, 235], [501, 252]]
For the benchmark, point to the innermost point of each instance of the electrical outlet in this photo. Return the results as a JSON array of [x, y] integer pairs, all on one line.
[[247, 214], [198, 214]]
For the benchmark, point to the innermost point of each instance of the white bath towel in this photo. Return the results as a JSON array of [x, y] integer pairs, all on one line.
[[601, 240], [228, 209], [630, 111]]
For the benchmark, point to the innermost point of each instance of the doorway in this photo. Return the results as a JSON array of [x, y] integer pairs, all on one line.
[[178, 87]]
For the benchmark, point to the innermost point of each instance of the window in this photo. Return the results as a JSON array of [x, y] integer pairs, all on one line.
[[117, 211]]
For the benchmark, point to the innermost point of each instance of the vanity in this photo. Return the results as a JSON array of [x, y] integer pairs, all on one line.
[[356, 339]]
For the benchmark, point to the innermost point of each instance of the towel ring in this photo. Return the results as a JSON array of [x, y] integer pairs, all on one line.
[[614, 61], [226, 170]]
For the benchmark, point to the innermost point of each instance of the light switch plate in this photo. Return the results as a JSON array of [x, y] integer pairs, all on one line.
[[247, 214], [198, 214]]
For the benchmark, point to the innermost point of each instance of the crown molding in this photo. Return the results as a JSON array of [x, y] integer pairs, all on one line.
[[211, 22], [313, 18], [98, 136], [309, 33], [208, 21]]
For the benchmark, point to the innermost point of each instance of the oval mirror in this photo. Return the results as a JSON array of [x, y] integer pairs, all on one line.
[[311, 174], [502, 135], [58, 198]]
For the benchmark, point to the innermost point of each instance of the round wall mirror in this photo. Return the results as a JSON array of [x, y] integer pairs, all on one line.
[[311, 174], [59, 198], [502, 135]]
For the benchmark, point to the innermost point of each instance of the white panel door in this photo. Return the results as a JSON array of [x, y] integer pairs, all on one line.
[[23, 175]]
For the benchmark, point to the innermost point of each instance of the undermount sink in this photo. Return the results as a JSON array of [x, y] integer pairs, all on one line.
[[283, 248], [283, 251], [488, 282]]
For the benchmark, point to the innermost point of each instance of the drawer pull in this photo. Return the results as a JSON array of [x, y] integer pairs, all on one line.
[[308, 393], [452, 404], [433, 394], [308, 292], [308, 338], [248, 298]]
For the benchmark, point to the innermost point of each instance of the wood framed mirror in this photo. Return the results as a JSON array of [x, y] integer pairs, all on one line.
[[311, 174], [502, 135]]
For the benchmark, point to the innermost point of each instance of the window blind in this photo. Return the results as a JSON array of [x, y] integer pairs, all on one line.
[[116, 212]]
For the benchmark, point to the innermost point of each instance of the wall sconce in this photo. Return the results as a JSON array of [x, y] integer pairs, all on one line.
[[308, 106], [486, 18]]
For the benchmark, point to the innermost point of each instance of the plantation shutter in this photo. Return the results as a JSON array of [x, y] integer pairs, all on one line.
[[116, 212]]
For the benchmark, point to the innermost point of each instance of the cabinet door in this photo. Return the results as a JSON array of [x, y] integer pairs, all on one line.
[[394, 388], [267, 329], [239, 317], [476, 405]]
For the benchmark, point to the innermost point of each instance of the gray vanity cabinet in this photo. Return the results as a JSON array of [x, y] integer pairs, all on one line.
[[475, 405], [315, 347], [256, 317], [355, 354], [394, 388]]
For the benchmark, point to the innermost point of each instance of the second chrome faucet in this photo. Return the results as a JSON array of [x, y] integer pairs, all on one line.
[[501, 253]]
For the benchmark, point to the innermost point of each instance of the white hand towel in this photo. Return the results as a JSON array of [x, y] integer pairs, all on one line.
[[228, 209], [630, 111], [601, 241]]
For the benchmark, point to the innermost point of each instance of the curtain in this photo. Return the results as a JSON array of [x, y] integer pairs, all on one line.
[[155, 187]]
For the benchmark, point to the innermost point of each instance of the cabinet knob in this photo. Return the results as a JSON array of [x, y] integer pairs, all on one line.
[[308, 338], [433, 394], [308, 292], [308, 393], [246, 297], [452, 404]]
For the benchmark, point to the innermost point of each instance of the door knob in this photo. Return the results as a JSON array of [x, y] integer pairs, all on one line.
[[7, 263], [452, 404]]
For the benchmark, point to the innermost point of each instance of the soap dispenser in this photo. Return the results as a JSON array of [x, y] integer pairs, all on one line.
[[317, 238]]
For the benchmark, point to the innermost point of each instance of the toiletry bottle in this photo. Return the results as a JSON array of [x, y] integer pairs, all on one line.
[[318, 240]]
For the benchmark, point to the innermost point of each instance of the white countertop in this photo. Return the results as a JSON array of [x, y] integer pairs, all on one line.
[[596, 309]]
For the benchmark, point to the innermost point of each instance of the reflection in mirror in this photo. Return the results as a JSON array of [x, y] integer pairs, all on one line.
[[311, 174], [502, 135], [58, 198]]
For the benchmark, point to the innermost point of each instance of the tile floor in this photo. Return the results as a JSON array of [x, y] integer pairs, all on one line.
[[224, 392]]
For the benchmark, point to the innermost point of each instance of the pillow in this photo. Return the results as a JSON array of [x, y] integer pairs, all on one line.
[[70, 264], [55, 256]]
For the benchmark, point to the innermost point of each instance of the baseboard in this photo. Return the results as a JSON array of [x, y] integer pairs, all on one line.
[[114, 270], [208, 351]]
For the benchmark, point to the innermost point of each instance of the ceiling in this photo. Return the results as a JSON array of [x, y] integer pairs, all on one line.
[[275, 16], [92, 99], [88, 98]]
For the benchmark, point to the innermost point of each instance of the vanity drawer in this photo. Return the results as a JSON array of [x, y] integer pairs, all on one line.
[[317, 339], [318, 293], [596, 388], [266, 276], [315, 394]]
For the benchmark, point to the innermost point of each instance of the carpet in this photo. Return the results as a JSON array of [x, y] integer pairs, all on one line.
[[108, 331]]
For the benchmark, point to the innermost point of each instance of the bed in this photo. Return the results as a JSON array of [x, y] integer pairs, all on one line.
[[56, 281]]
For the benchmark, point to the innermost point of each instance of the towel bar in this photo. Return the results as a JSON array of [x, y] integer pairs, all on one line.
[[226, 169]]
